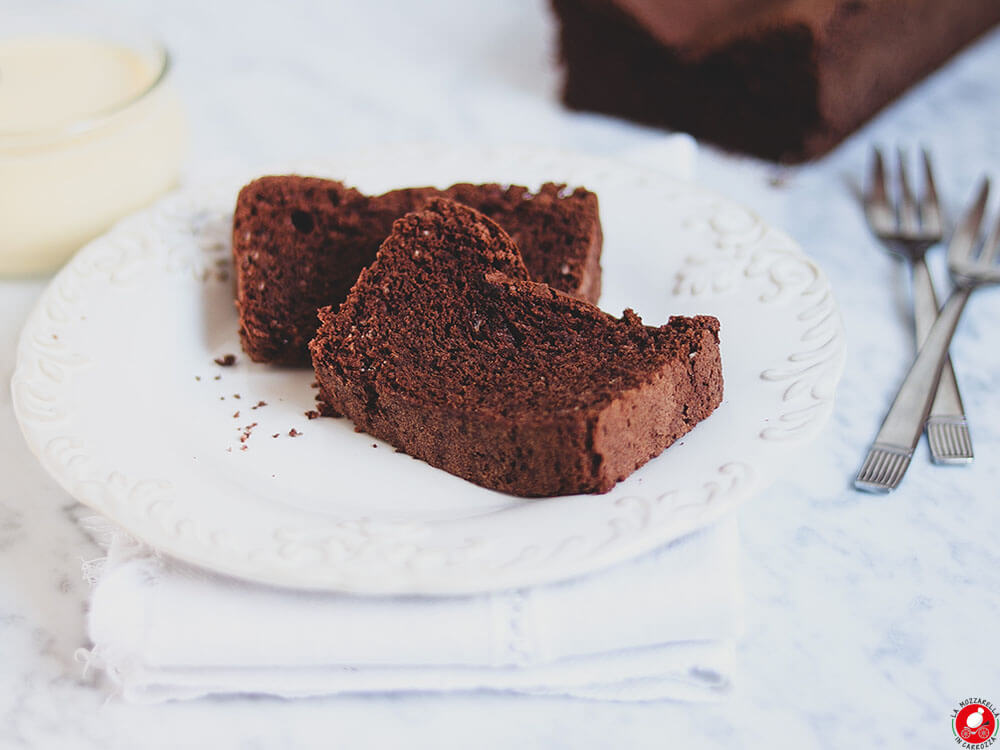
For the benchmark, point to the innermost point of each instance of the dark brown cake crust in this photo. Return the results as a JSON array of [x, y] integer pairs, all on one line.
[[299, 244], [786, 80], [447, 350]]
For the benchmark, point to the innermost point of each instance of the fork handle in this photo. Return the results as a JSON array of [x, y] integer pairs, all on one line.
[[904, 422], [948, 402]]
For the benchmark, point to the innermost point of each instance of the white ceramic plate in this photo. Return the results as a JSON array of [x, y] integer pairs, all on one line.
[[118, 395]]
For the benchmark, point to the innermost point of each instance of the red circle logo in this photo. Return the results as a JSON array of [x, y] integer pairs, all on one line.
[[975, 724]]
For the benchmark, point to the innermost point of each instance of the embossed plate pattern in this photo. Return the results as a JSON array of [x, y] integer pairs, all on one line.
[[118, 395]]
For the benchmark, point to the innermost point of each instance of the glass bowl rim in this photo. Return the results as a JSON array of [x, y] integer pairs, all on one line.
[[94, 120]]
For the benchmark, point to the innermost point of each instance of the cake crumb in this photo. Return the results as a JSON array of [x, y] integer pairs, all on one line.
[[246, 432], [197, 377], [778, 179], [275, 434], [243, 447], [236, 395], [374, 445], [312, 414], [259, 404], [314, 384], [293, 433], [236, 415], [226, 360], [217, 377]]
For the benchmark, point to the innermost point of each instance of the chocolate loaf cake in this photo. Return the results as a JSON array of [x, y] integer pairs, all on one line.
[[446, 349], [299, 244], [782, 79]]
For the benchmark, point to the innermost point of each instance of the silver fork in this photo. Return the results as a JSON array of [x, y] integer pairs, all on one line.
[[971, 265], [910, 230]]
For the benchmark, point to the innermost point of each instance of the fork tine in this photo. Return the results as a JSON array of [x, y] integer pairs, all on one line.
[[991, 247], [930, 207], [963, 242], [877, 208], [909, 221]]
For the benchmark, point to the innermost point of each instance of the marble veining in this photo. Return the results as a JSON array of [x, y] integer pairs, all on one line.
[[868, 618]]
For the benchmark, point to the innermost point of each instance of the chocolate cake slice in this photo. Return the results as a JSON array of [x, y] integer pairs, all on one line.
[[446, 349], [782, 79], [299, 244]]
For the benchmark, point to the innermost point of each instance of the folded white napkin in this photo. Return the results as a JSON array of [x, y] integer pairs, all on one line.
[[662, 626]]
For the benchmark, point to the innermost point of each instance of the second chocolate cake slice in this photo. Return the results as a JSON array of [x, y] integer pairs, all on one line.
[[299, 244], [447, 350]]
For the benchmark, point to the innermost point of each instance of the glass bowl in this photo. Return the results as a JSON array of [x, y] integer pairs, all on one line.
[[67, 176]]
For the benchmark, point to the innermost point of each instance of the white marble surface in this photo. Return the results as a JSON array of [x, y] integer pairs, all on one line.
[[868, 617]]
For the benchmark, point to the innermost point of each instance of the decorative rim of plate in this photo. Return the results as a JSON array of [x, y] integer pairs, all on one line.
[[363, 555]]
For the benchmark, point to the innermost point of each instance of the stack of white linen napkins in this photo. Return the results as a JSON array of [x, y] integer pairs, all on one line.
[[661, 626]]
